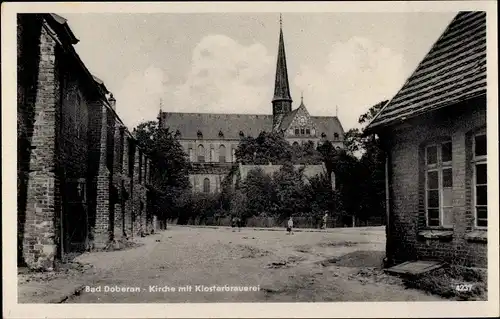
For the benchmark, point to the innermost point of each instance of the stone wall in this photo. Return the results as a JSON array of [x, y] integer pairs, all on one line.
[[409, 237], [76, 190]]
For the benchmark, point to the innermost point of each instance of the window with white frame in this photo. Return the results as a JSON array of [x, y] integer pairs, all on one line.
[[439, 184], [480, 188]]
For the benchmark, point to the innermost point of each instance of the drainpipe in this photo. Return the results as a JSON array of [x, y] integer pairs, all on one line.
[[387, 210]]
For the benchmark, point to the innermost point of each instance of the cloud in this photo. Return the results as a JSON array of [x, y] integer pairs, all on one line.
[[138, 98], [359, 74], [225, 77], [228, 77]]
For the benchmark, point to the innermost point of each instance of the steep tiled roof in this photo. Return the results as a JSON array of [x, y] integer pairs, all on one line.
[[328, 125], [454, 70], [287, 119], [210, 124]]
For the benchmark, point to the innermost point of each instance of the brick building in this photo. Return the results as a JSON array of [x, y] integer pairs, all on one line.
[[82, 179], [210, 140], [434, 133]]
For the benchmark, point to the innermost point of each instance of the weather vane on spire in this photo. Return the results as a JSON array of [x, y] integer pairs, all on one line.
[[302, 96]]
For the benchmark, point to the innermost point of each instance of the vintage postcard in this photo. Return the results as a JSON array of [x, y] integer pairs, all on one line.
[[250, 159]]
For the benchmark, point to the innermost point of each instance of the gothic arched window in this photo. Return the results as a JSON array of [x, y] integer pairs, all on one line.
[[206, 185], [295, 144], [191, 154], [199, 134], [242, 134], [201, 153], [221, 135], [336, 136], [222, 154], [212, 154]]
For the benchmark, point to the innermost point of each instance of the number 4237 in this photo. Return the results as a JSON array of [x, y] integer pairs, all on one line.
[[463, 287]]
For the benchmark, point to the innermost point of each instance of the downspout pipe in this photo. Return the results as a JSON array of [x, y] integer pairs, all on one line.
[[388, 246]]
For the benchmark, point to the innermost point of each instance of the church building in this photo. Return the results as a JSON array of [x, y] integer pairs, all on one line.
[[211, 139]]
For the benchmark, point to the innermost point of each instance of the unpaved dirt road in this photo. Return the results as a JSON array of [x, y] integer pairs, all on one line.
[[339, 265]]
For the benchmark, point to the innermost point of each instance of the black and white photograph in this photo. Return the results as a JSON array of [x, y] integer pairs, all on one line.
[[218, 154]]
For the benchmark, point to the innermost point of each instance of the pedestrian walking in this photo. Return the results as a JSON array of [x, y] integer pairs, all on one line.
[[238, 223], [289, 227], [233, 222], [325, 219]]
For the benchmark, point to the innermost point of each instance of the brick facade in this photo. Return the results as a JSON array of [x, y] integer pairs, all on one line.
[[409, 237], [75, 191]]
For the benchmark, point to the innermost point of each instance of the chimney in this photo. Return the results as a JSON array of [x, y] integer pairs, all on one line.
[[112, 101]]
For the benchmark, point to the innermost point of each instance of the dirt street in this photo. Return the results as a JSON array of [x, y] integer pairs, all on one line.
[[186, 264]]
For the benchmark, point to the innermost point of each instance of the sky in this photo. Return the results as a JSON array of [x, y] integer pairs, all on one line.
[[342, 63]]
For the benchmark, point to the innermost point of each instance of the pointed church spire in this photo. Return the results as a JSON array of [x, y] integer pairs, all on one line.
[[282, 102]]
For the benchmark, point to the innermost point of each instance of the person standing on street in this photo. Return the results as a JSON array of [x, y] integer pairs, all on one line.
[[289, 227], [325, 219]]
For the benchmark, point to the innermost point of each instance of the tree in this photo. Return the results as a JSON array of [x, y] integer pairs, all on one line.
[[359, 171], [259, 191], [274, 148], [290, 196], [169, 169]]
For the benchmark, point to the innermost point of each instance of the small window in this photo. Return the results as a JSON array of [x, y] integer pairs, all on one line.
[[308, 131], [191, 154], [199, 134], [432, 155], [336, 136], [446, 152], [212, 154], [206, 185], [221, 134], [177, 133], [201, 154], [242, 134], [222, 154], [323, 135], [480, 145], [297, 131], [302, 131]]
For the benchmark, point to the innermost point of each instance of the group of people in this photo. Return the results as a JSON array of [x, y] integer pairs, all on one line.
[[236, 222], [289, 227]]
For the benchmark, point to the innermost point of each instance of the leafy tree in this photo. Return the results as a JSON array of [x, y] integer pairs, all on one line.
[[169, 169], [290, 198], [259, 191], [273, 147], [360, 179]]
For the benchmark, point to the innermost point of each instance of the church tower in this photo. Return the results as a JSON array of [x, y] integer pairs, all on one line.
[[282, 102]]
